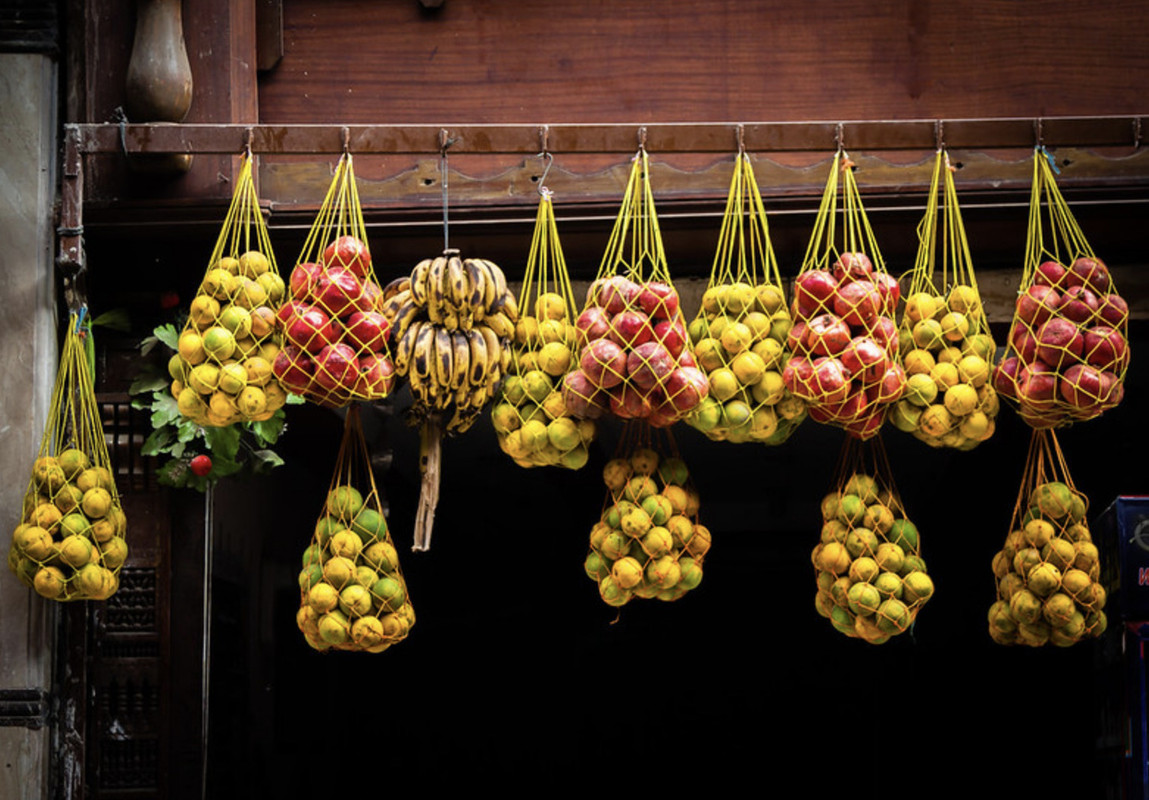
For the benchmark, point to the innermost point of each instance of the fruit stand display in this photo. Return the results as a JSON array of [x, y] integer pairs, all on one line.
[[844, 341], [634, 363], [530, 418], [1068, 346], [648, 542], [872, 580], [739, 335], [352, 592], [222, 372], [1048, 572], [946, 346], [69, 543]]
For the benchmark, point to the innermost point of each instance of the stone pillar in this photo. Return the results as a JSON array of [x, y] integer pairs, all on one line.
[[28, 329]]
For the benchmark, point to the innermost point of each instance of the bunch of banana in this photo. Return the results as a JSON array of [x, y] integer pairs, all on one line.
[[451, 325]]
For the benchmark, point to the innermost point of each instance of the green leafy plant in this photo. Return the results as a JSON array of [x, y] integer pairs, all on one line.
[[243, 447]]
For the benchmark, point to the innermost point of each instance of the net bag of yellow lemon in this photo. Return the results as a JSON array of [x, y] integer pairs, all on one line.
[[634, 362], [222, 372], [944, 338], [336, 338], [648, 542], [1048, 574], [69, 544], [1068, 347], [844, 342], [871, 577], [739, 335], [352, 595], [530, 418]]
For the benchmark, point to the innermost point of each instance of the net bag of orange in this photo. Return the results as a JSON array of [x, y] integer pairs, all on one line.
[[529, 416], [739, 335], [1047, 573], [1068, 346], [222, 373], [844, 341], [335, 335], [872, 580], [947, 350], [352, 592], [648, 542], [69, 544], [634, 362]]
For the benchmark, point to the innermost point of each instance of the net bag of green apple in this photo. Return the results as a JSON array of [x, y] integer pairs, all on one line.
[[648, 542], [351, 589], [739, 335], [335, 335], [946, 347], [872, 579], [1048, 572], [69, 544], [1068, 347], [222, 373], [530, 418], [844, 341], [634, 363]]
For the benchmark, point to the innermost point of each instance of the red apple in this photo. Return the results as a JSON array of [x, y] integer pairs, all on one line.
[[1090, 272], [849, 409], [1005, 377], [796, 338], [630, 328], [868, 424], [592, 323], [1105, 348], [310, 329], [350, 253], [889, 387], [814, 291], [861, 354], [1024, 343], [826, 335], [629, 402], [1078, 304], [797, 376], [890, 291], [685, 388], [604, 363], [858, 302], [1036, 385], [1037, 304], [853, 267], [582, 397], [658, 300], [649, 364], [1049, 273], [883, 331], [672, 334], [615, 294], [367, 330], [294, 369], [376, 376], [337, 291], [1113, 309], [1081, 387], [303, 278], [337, 368], [829, 382], [686, 358], [372, 297], [1059, 343]]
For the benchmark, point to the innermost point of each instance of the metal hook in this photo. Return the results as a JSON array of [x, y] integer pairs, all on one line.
[[1038, 134], [939, 135], [741, 132], [445, 141], [248, 134], [543, 190], [642, 137]]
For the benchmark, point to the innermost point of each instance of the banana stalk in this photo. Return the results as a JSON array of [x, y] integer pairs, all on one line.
[[430, 457]]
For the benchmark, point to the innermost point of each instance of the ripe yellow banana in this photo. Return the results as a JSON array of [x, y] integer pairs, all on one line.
[[478, 367], [461, 360], [419, 281], [406, 347], [444, 354]]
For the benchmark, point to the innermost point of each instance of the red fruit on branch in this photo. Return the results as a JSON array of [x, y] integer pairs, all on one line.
[[201, 465]]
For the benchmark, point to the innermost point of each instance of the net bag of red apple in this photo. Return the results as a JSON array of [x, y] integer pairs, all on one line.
[[872, 580], [844, 341], [1068, 346], [947, 350], [1047, 573], [648, 542], [352, 595], [69, 543], [222, 373], [335, 335], [529, 416], [739, 335], [634, 362]]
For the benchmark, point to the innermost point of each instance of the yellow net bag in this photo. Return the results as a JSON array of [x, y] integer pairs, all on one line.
[[223, 370], [530, 418], [352, 592], [69, 544], [947, 350], [1048, 571], [634, 362], [872, 580], [739, 335], [648, 542], [844, 341], [336, 338], [1068, 344]]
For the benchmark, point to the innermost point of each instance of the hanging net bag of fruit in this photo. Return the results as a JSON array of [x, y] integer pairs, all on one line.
[[335, 336], [530, 418], [69, 544], [1068, 346], [739, 335], [634, 361], [1047, 573], [844, 342], [352, 592], [648, 542], [947, 350], [872, 580], [229, 343]]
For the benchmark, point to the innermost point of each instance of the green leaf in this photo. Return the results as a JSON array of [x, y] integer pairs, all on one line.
[[168, 335], [149, 383], [174, 473], [165, 411], [263, 461], [295, 399], [223, 442], [222, 467], [117, 320], [188, 430], [157, 442], [267, 431], [177, 449]]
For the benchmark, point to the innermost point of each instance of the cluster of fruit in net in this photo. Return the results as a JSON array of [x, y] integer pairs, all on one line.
[[648, 542], [947, 354], [1048, 573], [69, 543], [872, 580], [452, 320], [352, 592]]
